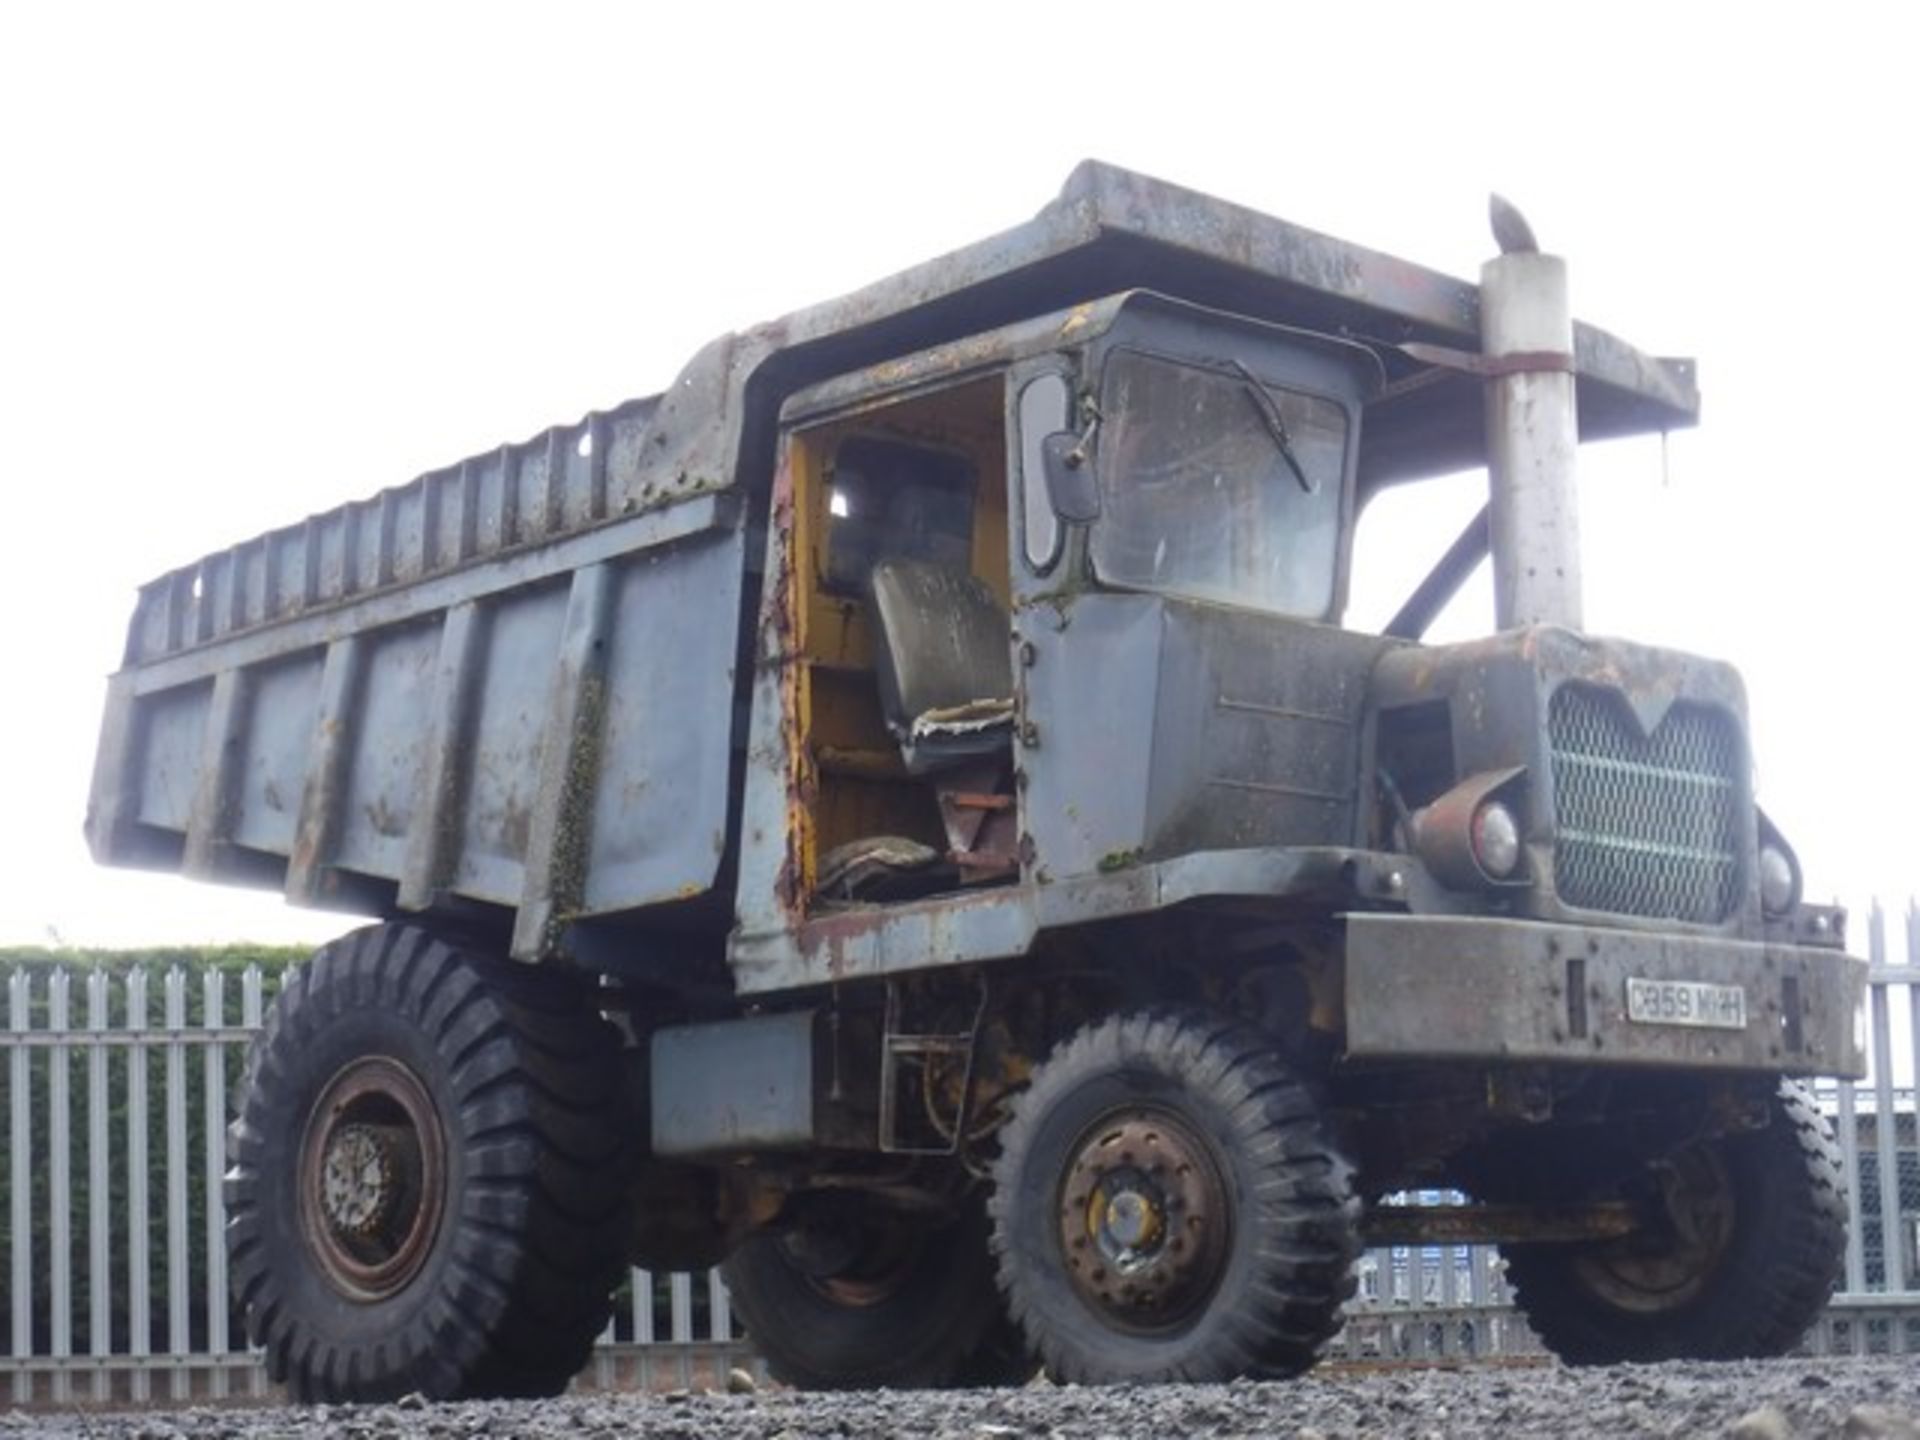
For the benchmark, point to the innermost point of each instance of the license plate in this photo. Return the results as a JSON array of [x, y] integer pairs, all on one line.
[[1687, 1002]]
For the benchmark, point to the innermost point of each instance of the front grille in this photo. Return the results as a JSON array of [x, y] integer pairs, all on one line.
[[1645, 824]]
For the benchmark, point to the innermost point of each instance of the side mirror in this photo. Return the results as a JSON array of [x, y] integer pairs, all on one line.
[[1070, 483]]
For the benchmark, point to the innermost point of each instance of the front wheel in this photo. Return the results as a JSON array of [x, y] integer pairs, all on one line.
[[1169, 1204], [1749, 1236]]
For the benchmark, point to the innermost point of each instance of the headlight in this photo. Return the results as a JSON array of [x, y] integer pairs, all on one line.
[[1779, 880], [1468, 839], [1496, 839]]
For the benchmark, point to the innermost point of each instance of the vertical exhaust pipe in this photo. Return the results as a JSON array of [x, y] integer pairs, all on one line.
[[1526, 340]]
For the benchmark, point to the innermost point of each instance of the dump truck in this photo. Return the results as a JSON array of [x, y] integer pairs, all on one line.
[[897, 815]]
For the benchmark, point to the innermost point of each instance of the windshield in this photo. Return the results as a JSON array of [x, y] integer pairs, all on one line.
[[1215, 487]]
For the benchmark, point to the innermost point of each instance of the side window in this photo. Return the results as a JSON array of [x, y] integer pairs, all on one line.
[[892, 500]]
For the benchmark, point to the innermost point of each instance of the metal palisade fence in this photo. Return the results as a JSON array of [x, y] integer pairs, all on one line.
[[114, 1243], [116, 1266]]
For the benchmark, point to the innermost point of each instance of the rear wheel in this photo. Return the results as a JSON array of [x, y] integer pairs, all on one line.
[[1169, 1205], [428, 1186], [1748, 1240], [857, 1295]]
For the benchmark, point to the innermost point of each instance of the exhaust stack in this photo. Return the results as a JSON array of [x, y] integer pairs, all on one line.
[[1526, 339]]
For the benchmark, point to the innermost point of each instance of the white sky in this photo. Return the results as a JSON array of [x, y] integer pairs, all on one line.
[[254, 263]]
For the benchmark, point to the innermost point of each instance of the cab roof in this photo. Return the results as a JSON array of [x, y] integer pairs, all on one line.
[[1112, 230]]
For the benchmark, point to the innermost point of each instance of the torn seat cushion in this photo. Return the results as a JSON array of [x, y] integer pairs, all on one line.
[[976, 717]]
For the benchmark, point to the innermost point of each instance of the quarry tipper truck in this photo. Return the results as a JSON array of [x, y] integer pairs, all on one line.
[[898, 815]]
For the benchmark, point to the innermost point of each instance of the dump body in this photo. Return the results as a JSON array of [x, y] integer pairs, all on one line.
[[518, 683], [540, 731]]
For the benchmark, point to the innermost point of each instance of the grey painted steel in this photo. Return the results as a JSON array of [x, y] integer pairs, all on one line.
[[1532, 436], [1464, 987], [733, 1085], [393, 745], [434, 822], [561, 823], [1170, 728], [323, 791]]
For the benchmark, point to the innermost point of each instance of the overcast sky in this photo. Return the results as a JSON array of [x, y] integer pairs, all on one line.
[[254, 264]]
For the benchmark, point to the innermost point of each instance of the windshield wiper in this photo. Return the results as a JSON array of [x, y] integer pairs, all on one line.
[[1276, 427]]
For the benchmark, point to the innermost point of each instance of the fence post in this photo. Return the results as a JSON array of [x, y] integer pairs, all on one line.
[[60, 1187], [1849, 1127], [179, 1331], [20, 1156], [213, 1017], [720, 1307], [250, 1010], [139, 1271], [1892, 1251], [99, 1186]]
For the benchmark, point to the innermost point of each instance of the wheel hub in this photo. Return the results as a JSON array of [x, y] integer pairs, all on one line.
[[372, 1178], [855, 1254], [1143, 1219], [1670, 1264], [360, 1180]]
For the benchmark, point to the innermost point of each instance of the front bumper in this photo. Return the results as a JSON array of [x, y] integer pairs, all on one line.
[[1471, 988]]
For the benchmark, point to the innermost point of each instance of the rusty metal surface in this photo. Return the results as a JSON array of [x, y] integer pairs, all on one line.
[[372, 1184], [1495, 1224], [1143, 1220], [1498, 695], [1484, 989], [871, 941]]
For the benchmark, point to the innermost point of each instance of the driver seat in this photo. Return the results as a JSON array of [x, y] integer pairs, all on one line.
[[945, 674], [946, 679]]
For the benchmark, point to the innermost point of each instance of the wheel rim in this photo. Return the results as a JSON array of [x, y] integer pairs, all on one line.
[[856, 1261], [372, 1178], [1652, 1274], [1144, 1220]]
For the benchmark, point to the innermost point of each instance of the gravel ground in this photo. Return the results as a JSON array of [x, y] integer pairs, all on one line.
[[1778, 1400]]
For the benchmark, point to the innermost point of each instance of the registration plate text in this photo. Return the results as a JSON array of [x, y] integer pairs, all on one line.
[[1687, 1002]]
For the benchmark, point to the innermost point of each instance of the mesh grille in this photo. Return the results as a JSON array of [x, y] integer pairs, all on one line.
[[1645, 824]]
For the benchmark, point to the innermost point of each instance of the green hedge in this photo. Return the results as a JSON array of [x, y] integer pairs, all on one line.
[[195, 965]]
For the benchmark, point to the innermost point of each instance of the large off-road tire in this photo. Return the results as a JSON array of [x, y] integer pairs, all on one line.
[[428, 1186], [1170, 1205], [859, 1297], [1751, 1243]]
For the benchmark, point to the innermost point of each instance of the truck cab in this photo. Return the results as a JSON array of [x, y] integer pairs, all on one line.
[[959, 639]]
